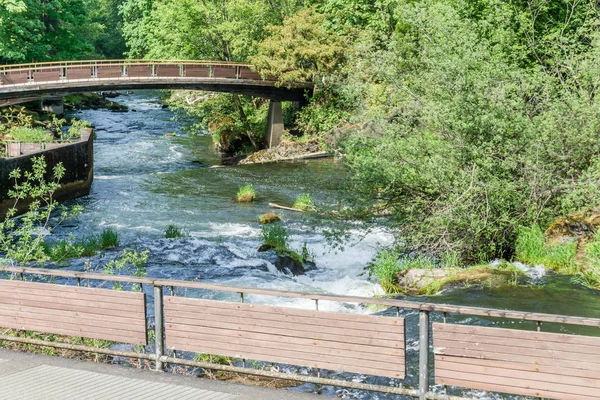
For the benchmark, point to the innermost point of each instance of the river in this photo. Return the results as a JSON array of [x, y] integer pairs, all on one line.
[[145, 181]]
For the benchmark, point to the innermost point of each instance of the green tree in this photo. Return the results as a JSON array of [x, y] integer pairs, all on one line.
[[300, 50], [36, 30]]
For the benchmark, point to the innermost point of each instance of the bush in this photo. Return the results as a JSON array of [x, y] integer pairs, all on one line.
[[75, 129], [109, 238], [246, 194], [175, 232], [304, 202]]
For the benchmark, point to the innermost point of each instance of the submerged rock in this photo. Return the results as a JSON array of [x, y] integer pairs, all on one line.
[[288, 264], [269, 218]]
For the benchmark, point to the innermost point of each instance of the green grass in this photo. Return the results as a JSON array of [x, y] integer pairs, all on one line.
[[175, 232], [108, 239], [88, 246], [275, 236], [532, 249], [386, 268], [483, 275], [32, 135], [590, 274], [246, 194], [304, 202]]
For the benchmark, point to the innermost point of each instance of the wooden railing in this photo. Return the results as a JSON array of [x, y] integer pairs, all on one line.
[[20, 74], [521, 362]]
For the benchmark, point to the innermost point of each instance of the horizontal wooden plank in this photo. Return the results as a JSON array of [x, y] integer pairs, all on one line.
[[396, 334], [556, 370], [78, 331], [449, 330], [70, 289], [531, 360], [366, 322], [592, 347], [107, 301], [314, 348], [513, 385], [278, 357], [133, 325], [533, 379], [366, 341], [458, 348], [94, 307], [375, 345], [468, 383]]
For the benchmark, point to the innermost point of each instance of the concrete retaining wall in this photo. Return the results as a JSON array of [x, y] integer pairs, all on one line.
[[77, 158]]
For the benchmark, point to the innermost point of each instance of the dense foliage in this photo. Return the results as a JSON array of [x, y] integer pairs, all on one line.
[[42, 30], [465, 121]]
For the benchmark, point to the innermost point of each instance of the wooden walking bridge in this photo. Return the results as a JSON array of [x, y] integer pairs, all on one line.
[[49, 81], [182, 318]]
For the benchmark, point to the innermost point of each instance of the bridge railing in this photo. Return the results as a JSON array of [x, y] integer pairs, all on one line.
[[20, 74], [515, 361]]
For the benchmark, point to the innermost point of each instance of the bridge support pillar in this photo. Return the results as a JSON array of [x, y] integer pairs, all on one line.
[[53, 105], [274, 124]]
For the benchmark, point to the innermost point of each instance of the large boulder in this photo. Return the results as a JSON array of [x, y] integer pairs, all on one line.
[[416, 279]]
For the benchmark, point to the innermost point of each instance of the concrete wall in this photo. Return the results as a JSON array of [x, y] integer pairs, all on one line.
[[77, 158]]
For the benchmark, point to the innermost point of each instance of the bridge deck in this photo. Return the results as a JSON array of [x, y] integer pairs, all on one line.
[[26, 81], [32, 377]]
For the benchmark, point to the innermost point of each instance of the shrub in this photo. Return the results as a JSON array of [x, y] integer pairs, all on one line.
[[304, 202], [246, 194], [175, 232], [75, 129], [109, 238]]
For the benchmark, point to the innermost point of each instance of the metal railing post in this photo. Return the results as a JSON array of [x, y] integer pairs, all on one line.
[[423, 354], [158, 326]]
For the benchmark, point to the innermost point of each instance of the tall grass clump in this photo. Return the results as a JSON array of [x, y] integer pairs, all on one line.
[[24, 134], [590, 275], [304, 202], [275, 236], [175, 232], [246, 194], [109, 238], [386, 268], [532, 249]]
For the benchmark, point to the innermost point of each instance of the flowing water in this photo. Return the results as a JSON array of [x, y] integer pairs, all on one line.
[[145, 181]]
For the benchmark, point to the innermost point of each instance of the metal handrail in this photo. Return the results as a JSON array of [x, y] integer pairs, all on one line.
[[160, 357], [417, 306], [128, 62]]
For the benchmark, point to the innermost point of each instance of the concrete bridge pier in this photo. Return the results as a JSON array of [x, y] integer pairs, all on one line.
[[53, 105], [274, 124]]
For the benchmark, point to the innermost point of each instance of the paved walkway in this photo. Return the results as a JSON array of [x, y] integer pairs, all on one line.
[[32, 377]]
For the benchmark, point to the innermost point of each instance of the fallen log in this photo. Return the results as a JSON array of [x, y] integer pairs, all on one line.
[[284, 208]]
